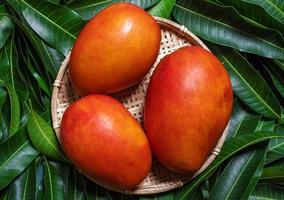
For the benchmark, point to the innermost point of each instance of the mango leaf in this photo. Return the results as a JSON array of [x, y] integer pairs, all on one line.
[[16, 153], [243, 171], [267, 192], [276, 147], [50, 22], [241, 121], [23, 188], [76, 185], [88, 9], [40, 189], [214, 23], [53, 183], [43, 137], [93, 191], [235, 178], [4, 194], [163, 196], [14, 107], [6, 26], [163, 8], [229, 148], [248, 85], [274, 8], [273, 175], [255, 14]]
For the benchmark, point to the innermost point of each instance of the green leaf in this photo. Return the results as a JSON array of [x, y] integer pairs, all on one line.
[[40, 190], [57, 25], [274, 8], [3, 97], [163, 196], [254, 14], [43, 137], [4, 195], [53, 183], [223, 25], [6, 26], [235, 178], [267, 192], [16, 153], [88, 9], [248, 85], [276, 147], [230, 148], [241, 121], [76, 185], [273, 175], [93, 191], [163, 8], [14, 107], [23, 188]]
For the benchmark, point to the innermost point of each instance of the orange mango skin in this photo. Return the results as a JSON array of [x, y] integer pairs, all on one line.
[[105, 142], [114, 50], [188, 105]]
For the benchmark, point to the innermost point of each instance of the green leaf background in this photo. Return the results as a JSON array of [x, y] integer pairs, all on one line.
[[246, 36]]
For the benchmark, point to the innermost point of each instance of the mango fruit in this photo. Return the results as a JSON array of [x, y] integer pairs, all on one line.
[[188, 105], [104, 141], [114, 50]]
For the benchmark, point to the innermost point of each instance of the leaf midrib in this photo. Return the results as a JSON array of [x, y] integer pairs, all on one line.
[[42, 133], [12, 156], [259, 98], [233, 28], [91, 5], [49, 180], [70, 34]]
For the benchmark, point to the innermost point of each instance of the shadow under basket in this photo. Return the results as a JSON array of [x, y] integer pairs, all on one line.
[[159, 179]]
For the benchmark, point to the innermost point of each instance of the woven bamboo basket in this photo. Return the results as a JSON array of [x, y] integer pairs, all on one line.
[[159, 179]]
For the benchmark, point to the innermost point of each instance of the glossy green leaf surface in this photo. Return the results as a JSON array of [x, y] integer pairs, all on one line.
[[229, 148], [214, 23], [16, 153], [163, 8], [267, 192], [248, 85], [88, 9], [48, 20], [43, 137], [6, 26]]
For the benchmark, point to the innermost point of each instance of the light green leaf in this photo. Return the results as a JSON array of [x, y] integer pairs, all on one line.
[[248, 84], [23, 188], [53, 183], [214, 23], [16, 153], [88, 9], [163, 8], [6, 26], [267, 192], [230, 148], [274, 8], [57, 25], [43, 137]]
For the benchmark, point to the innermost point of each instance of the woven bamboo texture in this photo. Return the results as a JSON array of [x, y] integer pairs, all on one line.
[[159, 179]]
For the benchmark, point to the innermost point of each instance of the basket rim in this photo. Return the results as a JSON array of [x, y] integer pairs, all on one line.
[[194, 40]]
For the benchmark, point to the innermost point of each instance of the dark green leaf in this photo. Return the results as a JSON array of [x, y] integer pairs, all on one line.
[[43, 137], [267, 192], [3, 97], [6, 26], [276, 147], [273, 174], [23, 188], [16, 153], [88, 9], [248, 85], [93, 191], [4, 195], [163, 196], [76, 185], [40, 189], [230, 148], [53, 183], [163, 8], [255, 14], [15, 109], [274, 8], [57, 25], [223, 25]]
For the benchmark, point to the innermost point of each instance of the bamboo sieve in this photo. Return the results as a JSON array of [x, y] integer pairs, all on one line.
[[159, 179]]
